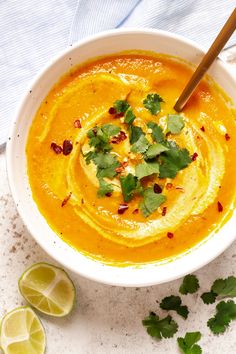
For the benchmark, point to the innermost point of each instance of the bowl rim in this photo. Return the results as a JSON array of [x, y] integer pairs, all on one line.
[[10, 170]]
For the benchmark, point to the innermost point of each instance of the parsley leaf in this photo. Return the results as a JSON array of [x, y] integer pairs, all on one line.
[[155, 150], [106, 165], [226, 312], [128, 186], [188, 343], [146, 169], [160, 328], [141, 145], [121, 106], [129, 116], [190, 284], [135, 133], [151, 201], [208, 297], [153, 103], [172, 161], [104, 188], [175, 123], [174, 303], [157, 132], [225, 287], [110, 129]]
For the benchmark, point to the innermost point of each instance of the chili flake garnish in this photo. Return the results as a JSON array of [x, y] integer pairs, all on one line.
[[169, 186], [194, 156], [56, 148], [119, 115], [170, 235], [122, 208], [227, 137], [67, 147], [202, 128], [118, 138], [112, 110], [109, 194], [157, 189], [136, 211], [164, 210], [220, 207], [77, 123], [66, 200], [121, 167]]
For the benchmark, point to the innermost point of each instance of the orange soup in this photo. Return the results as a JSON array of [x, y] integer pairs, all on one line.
[[122, 177]]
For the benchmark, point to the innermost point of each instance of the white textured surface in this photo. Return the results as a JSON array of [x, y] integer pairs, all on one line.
[[106, 320]]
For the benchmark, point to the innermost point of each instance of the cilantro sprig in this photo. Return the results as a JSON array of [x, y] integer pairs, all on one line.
[[188, 344], [129, 184], [160, 328], [225, 313], [151, 201], [175, 123], [189, 285], [153, 103], [221, 287], [174, 303]]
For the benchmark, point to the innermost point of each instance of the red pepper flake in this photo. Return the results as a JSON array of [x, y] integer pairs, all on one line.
[[67, 147], [227, 137], [122, 208], [118, 138], [194, 156], [119, 115], [109, 194], [77, 123], [170, 235], [202, 128], [164, 210], [112, 110], [94, 131], [136, 211], [56, 148], [66, 200], [157, 189], [121, 167], [219, 207], [169, 186]]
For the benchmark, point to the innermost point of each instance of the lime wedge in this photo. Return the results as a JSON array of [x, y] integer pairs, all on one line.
[[48, 289], [22, 332]]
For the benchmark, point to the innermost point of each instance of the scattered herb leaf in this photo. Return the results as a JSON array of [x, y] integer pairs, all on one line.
[[153, 103], [175, 123], [160, 328], [110, 129], [174, 303], [106, 165], [151, 201], [135, 133], [104, 188], [188, 343], [128, 186], [172, 161], [157, 132], [146, 169], [208, 297], [190, 284], [225, 287], [121, 106], [226, 312], [129, 116], [155, 150], [141, 145]]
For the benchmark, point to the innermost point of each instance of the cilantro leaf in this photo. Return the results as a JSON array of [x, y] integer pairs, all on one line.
[[190, 284], [157, 132], [155, 150], [153, 103], [106, 165], [174, 303], [160, 328], [172, 161], [188, 343], [146, 169], [141, 145], [226, 312], [89, 156], [129, 116], [208, 297], [135, 133], [225, 287], [99, 139], [151, 201], [121, 106], [104, 188], [128, 186], [175, 123], [110, 129]]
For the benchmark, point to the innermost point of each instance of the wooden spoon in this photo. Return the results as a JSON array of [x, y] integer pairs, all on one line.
[[207, 60]]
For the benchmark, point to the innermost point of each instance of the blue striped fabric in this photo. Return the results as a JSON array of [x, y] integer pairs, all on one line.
[[33, 31]]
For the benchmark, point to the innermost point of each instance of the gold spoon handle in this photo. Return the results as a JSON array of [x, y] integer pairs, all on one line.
[[207, 60]]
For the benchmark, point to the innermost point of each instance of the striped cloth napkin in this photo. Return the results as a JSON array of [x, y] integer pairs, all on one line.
[[33, 31]]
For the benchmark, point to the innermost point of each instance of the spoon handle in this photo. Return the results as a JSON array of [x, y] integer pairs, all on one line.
[[207, 60]]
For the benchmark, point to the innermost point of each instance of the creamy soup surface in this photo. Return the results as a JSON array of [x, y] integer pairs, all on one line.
[[122, 177]]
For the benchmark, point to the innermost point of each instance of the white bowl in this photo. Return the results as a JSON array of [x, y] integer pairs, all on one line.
[[101, 44]]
